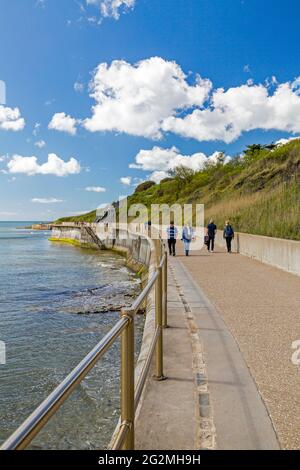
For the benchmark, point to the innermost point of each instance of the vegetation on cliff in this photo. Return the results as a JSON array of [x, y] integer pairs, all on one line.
[[88, 217], [258, 191]]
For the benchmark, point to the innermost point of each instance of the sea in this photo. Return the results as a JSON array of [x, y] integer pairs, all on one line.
[[56, 303]]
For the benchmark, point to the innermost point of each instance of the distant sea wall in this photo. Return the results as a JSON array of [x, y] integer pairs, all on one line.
[[74, 235], [277, 252]]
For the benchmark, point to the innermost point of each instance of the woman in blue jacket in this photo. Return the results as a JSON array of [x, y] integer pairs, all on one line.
[[228, 235], [187, 237]]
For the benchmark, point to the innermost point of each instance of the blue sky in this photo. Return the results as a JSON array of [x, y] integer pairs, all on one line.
[[46, 47]]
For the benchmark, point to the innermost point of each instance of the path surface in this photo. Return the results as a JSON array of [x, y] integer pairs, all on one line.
[[210, 399], [168, 419], [261, 307]]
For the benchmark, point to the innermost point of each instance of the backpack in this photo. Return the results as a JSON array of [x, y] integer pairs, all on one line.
[[228, 231]]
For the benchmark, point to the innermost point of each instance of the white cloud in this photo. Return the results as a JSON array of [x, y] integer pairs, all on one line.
[[136, 99], [157, 176], [49, 200], [241, 109], [286, 141], [154, 97], [63, 123], [95, 189], [112, 8], [10, 119], [54, 166], [79, 87], [40, 144], [126, 180], [159, 161]]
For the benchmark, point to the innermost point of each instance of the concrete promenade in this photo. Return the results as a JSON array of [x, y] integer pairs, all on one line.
[[231, 383]]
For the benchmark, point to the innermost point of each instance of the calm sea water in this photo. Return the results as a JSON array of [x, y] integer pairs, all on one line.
[[49, 294]]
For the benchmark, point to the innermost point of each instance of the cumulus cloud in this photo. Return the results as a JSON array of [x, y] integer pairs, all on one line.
[[160, 161], [155, 96], [95, 189], [126, 180], [241, 109], [112, 8], [137, 99], [10, 119], [63, 123], [54, 166], [49, 200]]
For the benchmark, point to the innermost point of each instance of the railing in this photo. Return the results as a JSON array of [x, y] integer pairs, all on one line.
[[130, 394]]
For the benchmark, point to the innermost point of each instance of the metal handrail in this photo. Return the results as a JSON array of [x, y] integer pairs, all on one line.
[[20, 439], [146, 368], [143, 295], [130, 395]]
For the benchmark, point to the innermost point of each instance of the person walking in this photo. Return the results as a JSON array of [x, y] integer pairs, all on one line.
[[172, 233], [211, 233], [228, 235], [187, 236]]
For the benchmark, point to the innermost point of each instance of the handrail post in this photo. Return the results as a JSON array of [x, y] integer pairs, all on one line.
[[159, 324], [157, 250], [127, 380], [165, 289]]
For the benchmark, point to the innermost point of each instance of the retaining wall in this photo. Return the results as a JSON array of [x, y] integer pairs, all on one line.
[[283, 254]]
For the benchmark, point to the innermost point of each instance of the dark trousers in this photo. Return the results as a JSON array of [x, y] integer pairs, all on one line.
[[211, 243], [171, 244], [228, 243]]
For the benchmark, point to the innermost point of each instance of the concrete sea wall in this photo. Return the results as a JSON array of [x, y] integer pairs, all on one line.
[[140, 254], [282, 254], [74, 235]]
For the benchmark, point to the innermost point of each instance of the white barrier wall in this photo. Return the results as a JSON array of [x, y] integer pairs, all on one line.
[[283, 254]]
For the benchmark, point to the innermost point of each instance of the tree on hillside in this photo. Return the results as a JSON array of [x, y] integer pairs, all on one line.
[[182, 173], [253, 152], [253, 149], [271, 146]]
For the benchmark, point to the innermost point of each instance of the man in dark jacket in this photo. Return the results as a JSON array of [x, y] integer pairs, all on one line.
[[211, 232], [228, 235]]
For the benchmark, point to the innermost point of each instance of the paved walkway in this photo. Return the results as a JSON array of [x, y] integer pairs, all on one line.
[[227, 358], [261, 307], [168, 419]]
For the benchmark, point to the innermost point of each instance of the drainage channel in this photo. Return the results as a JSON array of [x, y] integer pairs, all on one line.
[[206, 432]]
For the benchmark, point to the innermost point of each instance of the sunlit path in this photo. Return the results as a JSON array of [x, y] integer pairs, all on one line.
[[260, 306]]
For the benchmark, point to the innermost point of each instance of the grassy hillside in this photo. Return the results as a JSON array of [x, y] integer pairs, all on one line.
[[89, 217], [259, 192]]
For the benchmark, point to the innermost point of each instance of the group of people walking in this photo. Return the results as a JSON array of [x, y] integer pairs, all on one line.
[[187, 237], [228, 235]]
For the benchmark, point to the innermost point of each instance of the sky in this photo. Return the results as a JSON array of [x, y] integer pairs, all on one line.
[[99, 95]]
